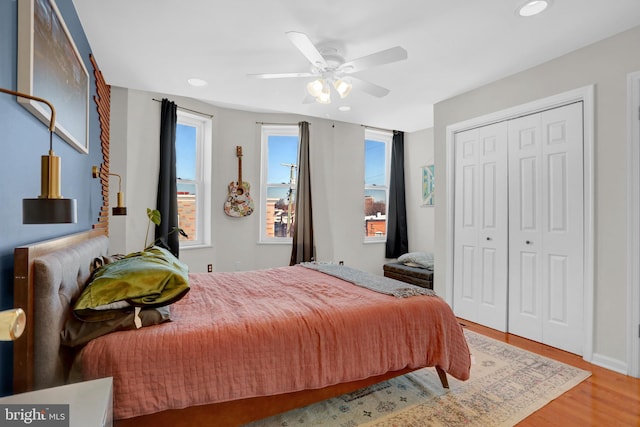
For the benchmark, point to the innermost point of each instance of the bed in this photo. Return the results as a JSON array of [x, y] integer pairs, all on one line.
[[337, 337]]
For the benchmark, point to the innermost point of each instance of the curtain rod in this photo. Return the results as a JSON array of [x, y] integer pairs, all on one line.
[[188, 109], [278, 124], [375, 128]]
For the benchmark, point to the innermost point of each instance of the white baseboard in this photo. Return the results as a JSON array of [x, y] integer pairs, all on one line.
[[610, 363]]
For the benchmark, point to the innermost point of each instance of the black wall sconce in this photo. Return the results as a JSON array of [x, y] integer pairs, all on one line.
[[120, 209], [50, 207]]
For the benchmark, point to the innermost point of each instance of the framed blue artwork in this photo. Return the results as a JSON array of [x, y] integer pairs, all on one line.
[[428, 179], [50, 67]]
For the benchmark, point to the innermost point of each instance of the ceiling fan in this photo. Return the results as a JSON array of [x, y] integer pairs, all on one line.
[[331, 69]]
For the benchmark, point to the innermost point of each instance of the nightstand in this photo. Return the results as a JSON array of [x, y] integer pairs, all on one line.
[[90, 402]]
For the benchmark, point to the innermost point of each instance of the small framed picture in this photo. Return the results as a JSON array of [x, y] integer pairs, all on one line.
[[428, 180]]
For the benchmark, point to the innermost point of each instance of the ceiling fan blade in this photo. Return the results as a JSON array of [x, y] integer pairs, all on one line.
[[387, 56], [370, 88], [308, 49], [281, 75]]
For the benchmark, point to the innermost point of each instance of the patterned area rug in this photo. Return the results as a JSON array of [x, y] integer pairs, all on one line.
[[507, 384]]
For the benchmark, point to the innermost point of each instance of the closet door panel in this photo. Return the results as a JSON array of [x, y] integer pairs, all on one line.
[[525, 233], [493, 234], [527, 189], [558, 290], [488, 287], [528, 285], [466, 226], [557, 193], [480, 240], [563, 227], [546, 227]]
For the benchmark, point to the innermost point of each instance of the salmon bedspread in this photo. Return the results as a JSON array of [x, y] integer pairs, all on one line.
[[256, 333]]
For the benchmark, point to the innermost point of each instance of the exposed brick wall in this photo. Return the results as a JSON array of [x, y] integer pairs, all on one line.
[[187, 215], [375, 227], [103, 105]]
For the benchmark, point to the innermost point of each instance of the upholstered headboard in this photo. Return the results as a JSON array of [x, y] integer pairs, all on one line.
[[48, 277]]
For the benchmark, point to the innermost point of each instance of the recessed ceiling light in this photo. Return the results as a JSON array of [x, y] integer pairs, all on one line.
[[344, 108], [197, 82], [533, 7]]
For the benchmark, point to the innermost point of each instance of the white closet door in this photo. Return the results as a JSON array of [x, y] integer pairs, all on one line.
[[525, 227], [480, 236], [546, 227]]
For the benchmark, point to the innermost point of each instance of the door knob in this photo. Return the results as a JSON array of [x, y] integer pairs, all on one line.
[[489, 238], [528, 242]]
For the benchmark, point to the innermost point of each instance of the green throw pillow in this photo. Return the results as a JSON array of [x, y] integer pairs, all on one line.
[[151, 278]]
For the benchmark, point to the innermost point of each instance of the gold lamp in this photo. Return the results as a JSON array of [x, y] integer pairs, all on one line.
[[121, 209], [50, 207]]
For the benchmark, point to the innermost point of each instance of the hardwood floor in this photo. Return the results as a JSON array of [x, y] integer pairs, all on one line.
[[604, 399]]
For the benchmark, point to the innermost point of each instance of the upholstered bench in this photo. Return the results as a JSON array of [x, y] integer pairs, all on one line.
[[414, 275], [413, 267]]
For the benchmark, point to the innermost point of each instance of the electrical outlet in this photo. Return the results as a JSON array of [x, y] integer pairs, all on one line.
[[209, 268]]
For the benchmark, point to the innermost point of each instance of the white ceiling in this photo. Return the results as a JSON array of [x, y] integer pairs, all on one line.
[[453, 46]]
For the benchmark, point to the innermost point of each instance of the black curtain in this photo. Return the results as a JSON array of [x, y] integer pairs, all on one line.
[[397, 236], [167, 201], [303, 246]]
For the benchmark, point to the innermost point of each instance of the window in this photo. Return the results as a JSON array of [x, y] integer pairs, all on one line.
[[193, 178], [377, 159], [279, 173]]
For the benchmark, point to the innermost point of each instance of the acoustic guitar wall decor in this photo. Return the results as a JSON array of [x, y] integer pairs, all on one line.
[[239, 202]]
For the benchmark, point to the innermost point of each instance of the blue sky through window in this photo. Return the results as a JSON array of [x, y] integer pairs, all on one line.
[[374, 163], [185, 152], [282, 149]]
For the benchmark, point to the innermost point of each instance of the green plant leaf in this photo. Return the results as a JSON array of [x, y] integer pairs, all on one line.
[[154, 216]]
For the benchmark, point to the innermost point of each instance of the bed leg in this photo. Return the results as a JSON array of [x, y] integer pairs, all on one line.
[[443, 377]]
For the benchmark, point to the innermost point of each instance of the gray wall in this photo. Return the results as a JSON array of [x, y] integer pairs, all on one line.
[[418, 147], [606, 65], [337, 151]]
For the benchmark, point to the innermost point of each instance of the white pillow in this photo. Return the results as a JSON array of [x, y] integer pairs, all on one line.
[[417, 259]]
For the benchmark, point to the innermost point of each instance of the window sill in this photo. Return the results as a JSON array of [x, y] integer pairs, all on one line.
[[275, 242], [196, 246], [367, 241]]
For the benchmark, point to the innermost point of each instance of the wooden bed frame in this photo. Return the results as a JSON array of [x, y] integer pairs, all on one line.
[[27, 375]]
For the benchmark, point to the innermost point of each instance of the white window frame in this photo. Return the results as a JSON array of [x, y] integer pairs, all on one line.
[[387, 138], [266, 132], [202, 180]]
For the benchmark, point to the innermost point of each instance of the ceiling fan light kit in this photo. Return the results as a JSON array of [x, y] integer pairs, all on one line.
[[320, 89], [325, 95], [343, 87], [315, 87], [330, 69]]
